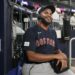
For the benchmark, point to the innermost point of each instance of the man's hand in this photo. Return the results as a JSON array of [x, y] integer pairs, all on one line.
[[63, 64], [60, 55], [62, 58]]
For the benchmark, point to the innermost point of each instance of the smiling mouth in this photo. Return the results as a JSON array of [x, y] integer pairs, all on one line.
[[48, 19]]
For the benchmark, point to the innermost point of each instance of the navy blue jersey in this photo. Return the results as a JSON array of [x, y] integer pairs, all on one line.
[[39, 40]]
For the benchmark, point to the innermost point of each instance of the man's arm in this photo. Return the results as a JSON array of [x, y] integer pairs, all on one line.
[[38, 57]]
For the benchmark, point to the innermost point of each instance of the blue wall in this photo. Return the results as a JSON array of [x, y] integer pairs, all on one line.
[[1, 36], [5, 36]]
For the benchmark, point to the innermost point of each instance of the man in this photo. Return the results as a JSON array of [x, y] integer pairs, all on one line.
[[41, 47]]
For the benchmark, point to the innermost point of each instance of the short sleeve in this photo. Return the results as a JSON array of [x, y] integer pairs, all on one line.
[[29, 40]]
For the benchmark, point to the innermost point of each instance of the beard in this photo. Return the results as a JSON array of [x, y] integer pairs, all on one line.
[[44, 21]]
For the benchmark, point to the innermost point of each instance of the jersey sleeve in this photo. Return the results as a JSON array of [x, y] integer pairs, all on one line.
[[29, 40]]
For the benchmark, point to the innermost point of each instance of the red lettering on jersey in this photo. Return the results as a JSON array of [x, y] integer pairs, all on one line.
[[44, 41]]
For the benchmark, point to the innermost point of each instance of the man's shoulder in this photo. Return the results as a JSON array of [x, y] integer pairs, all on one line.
[[32, 29]]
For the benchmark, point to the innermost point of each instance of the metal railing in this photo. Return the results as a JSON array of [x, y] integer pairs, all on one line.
[[70, 51]]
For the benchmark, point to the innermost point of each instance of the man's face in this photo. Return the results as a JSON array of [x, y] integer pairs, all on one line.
[[47, 15]]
